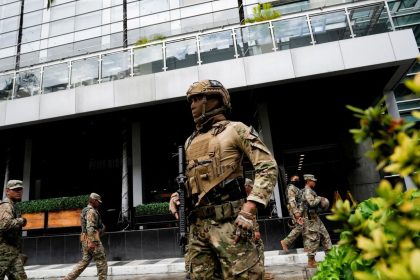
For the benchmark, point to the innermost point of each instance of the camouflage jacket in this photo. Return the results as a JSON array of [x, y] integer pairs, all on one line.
[[310, 200], [91, 223], [293, 199], [10, 224], [216, 155]]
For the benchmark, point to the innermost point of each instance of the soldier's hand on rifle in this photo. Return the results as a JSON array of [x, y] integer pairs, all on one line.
[[257, 236], [91, 245], [22, 221], [298, 218], [173, 204]]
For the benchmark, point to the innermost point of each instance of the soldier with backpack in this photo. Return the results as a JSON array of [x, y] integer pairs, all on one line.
[[293, 195]]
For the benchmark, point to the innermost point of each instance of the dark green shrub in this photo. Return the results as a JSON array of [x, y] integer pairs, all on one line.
[[153, 209], [53, 204]]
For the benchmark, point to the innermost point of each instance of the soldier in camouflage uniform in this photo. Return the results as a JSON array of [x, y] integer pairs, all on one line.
[[222, 218], [92, 229], [295, 213], [11, 233], [314, 230]]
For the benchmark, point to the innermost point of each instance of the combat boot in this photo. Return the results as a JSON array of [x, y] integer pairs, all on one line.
[[284, 246], [311, 262]]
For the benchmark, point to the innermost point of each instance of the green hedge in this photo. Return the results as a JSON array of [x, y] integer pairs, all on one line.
[[53, 204], [153, 208]]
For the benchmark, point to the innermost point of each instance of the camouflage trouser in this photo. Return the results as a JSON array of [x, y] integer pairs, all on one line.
[[291, 237], [98, 255], [211, 244], [315, 232], [10, 263]]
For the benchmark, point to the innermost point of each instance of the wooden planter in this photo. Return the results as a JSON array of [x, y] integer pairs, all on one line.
[[64, 218], [53, 219], [34, 220]]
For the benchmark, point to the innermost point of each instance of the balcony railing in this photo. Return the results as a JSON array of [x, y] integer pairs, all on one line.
[[291, 31]]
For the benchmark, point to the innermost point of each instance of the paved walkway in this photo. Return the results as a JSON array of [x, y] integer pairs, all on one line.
[[275, 261]]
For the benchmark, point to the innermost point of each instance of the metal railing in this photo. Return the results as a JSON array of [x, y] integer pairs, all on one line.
[[308, 28]]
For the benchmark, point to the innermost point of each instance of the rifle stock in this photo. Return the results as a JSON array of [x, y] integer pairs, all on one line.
[[181, 179]]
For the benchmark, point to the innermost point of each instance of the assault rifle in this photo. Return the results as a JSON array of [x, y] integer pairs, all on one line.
[[181, 179]]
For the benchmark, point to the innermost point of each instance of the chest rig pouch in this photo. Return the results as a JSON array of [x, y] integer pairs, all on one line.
[[205, 170]]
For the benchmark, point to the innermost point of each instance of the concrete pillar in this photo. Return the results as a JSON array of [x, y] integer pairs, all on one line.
[[266, 137], [27, 169], [136, 160]]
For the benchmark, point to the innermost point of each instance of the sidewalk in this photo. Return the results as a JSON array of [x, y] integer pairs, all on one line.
[[292, 263]]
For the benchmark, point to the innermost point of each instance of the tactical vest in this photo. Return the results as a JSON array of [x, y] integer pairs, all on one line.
[[13, 236], [211, 159], [83, 220]]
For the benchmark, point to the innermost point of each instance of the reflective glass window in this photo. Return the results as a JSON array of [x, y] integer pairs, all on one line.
[[148, 7], [30, 47], [87, 34], [9, 24], [59, 52], [407, 20], [6, 87], [55, 78], [192, 2], [60, 40], [88, 20], [405, 4], [61, 27], [33, 5], [369, 20], [196, 23], [10, 10], [163, 29], [86, 6], [115, 66], [133, 10], [330, 27], [116, 13], [226, 17], [28, 59], [85, 72], [87, 46], [180, 54], [62, 11], [116, 40], [216, 46], [31, 34], [148, 60], [7, 63], [28, 83], [8, 39], [254, 39], [291, 33], [32, 19], [154, 18]]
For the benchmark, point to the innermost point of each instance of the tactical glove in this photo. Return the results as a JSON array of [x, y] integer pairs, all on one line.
[[246, 220], [22, 221], [173, 204]]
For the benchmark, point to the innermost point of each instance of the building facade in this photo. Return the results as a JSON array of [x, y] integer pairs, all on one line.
[[93, 92]]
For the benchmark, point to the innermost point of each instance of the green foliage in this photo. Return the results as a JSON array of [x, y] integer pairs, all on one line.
[[262, 12], [53, 204], [145, 40], [153, 208], [380, 238]]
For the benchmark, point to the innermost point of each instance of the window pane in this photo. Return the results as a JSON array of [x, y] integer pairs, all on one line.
[[330, 27], [62, 11], [254, 39], [9, 24], [31, 34], [61, 27], [216, 47], [33, 5], [87, 46], [55, 78], [6, 86], [32, 19], [148, 7], [148, 60], [181, 54], [28, 83], [29, 59], [88, 20], [85, 72], [85, 6], [60, 52], [8, 39], [7, 63], [369, 20], [115, 66], [291, 33]]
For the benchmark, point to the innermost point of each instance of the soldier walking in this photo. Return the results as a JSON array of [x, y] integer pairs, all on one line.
[[295, 212], [11, 233], [222, 218], [92, 229], [314, 230]]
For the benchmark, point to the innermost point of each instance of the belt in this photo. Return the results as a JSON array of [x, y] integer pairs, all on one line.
[[219, 212], [228, 190]]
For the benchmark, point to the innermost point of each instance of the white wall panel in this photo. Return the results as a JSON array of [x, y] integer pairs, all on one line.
[[22, 110], [173, 84], [57, 104], [134, 90], [96, 97]]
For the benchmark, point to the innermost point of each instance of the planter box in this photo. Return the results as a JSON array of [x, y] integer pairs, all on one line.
[[64, 218], [34, 220]]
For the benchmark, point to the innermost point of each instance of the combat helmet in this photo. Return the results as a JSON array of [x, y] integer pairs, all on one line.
[[207, 88]]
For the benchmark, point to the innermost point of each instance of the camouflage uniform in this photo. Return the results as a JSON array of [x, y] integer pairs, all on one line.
[[92, 227], [214, 163], [314, 229], [294, 208], [10, 241]]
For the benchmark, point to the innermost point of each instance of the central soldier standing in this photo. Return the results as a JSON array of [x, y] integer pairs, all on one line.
[[222, 217]]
